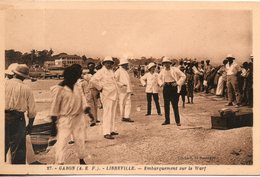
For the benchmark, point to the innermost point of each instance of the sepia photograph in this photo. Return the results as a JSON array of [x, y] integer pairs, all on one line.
[[129, 87]]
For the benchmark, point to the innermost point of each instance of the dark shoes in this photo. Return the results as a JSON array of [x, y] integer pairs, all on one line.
[[108, 136], [82, 162], [229, 104], [147, 114], [52, 142], [237, 105], [114, 133], [37, 163], [127, 120], [166, 123], [71, 142], [93, 124], [159, 114]]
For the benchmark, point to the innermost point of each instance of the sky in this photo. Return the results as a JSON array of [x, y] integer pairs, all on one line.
[[132, 32]]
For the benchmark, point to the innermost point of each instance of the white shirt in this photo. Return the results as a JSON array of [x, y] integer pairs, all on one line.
[[151, 82], [232, 69], [105, 79], [19, 97], [244, 72], [168, 77], [176, 73], [67, 102], [123, 80], [195, 70]]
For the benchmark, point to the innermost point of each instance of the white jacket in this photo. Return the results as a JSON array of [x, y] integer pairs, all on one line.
[[176, 73], [105, 80], [151, 82], [123, 81], [232, 69]]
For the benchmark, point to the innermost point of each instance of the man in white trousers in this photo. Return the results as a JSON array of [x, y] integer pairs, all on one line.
[[125, 90], [104, 80], [67, 113], [232, 69]]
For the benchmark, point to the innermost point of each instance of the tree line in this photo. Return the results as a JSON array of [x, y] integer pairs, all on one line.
[[38, 57]]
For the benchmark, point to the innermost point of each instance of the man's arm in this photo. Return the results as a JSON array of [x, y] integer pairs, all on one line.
[[54, 130], [182, 77], [31, 112], [160, 79], [117, 77], [55, 109], [96, 80], [143, 80]]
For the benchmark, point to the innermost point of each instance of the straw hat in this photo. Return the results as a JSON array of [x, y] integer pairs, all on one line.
[[22, 70], [150, 65], [10, 68], [166, 60], [123, 61], [108, 58], [230, 56]]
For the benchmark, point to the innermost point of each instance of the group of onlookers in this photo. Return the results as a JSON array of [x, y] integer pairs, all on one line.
[[229, 80]]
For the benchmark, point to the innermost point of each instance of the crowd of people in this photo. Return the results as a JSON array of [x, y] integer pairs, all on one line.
[[77, 98], [229, 80]]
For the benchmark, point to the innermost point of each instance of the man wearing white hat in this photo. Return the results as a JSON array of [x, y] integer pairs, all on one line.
[[150, 80], [18, 100], [125, 90], [232, 69], [171, 79], [104, 80]]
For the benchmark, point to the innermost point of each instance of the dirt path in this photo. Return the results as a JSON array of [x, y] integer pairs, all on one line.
[[147, 142]]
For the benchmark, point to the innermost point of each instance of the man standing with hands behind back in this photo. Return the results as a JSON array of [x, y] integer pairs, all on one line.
[[171, 79], [104, 80]]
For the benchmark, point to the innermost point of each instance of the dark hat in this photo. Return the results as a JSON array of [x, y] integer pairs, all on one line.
[[22, 70]]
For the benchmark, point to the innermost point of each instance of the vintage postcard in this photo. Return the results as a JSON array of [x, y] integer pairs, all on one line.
[[129, 88]]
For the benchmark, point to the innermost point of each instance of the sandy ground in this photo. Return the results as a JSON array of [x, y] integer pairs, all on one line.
[[147, 142]]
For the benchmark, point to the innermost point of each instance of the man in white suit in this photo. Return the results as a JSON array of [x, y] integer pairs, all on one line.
[[171, 79], [104, 80], [125, 90]]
